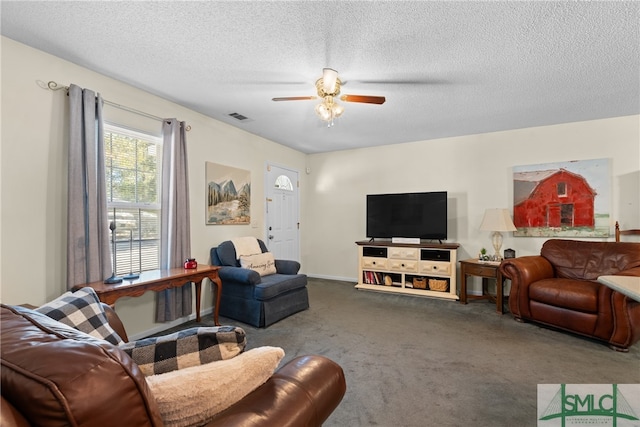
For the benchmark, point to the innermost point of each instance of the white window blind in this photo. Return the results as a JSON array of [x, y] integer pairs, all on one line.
[[133, 163]]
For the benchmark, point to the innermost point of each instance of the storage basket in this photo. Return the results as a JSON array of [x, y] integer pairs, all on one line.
[[439, 285], [419, 283]]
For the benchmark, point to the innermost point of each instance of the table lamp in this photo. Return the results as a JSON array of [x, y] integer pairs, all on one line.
[[497, 220]]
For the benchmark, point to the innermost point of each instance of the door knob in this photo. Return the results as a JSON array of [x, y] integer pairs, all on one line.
[[270, 237]]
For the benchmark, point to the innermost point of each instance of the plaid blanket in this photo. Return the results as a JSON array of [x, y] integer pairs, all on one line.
[[189, 347]]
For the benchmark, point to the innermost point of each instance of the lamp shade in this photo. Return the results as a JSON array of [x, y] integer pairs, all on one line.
[[497, 220]]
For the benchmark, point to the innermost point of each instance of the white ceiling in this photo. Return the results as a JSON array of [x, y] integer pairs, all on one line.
[[446, 68]]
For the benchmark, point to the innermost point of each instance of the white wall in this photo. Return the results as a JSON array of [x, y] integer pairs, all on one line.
[[476, 170], [34, 177]]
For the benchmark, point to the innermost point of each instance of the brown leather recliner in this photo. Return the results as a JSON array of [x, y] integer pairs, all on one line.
[[559, 288], [57, 378]]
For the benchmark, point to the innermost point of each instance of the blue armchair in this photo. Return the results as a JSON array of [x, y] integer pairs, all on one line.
[[259, 300]]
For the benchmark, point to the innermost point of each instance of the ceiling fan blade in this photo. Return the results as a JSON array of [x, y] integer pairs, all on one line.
[[294, 98], [364, 98], [414, 82]]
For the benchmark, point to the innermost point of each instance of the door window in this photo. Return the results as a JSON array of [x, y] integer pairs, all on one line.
[[283, 183]]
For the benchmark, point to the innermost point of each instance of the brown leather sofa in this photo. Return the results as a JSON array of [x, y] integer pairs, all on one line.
[[53, 380], [559, 288]]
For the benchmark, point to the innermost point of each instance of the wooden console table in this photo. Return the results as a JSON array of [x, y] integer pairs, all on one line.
[[473, 267], [159, 280]]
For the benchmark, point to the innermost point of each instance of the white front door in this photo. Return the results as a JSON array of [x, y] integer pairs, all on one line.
[[282, 213]]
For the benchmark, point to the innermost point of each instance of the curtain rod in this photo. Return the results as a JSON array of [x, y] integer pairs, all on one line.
[[51, 85]]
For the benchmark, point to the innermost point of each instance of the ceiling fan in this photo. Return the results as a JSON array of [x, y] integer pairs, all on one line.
[[328, 88]]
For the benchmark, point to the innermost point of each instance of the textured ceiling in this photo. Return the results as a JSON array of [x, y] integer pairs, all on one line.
[[446, 68]]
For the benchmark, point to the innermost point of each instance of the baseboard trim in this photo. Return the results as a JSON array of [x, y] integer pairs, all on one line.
[[344, 279], [168, 325]]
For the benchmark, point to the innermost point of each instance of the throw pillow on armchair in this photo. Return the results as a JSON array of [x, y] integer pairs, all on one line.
[[263, 263]]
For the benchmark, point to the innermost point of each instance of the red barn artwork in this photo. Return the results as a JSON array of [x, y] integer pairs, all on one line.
[[554, 198]]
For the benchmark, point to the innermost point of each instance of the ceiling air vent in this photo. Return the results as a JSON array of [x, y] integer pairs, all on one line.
[[238, 116]]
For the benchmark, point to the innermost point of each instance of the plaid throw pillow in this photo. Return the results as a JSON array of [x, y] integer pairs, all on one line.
[[82, 311], [186, 348]]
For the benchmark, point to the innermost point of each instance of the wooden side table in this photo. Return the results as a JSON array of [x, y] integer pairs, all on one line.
[[158, 280], [473, 267]]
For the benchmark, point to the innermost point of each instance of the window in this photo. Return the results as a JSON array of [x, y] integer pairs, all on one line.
[[562, 189], [133, 164], [284, 183]]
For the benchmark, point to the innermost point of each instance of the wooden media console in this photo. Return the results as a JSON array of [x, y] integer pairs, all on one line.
[[424, 269]]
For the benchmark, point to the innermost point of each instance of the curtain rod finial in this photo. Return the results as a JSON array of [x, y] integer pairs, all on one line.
[[51, 85]]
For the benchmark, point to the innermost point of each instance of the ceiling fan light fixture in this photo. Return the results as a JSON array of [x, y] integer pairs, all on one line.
[[328, 110], [332, 89], [329, 79], [323, 112], [337, 110], [328, 88]]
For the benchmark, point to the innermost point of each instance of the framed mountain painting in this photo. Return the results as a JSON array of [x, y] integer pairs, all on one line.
[[228, 195]]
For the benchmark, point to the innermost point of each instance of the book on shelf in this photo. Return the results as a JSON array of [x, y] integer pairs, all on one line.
[[372, 277]]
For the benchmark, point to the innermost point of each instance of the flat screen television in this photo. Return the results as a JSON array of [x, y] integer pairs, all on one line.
[[408, 215]]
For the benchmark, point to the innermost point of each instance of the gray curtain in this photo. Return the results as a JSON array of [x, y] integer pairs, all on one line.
[[88, 257], [175, 227]]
